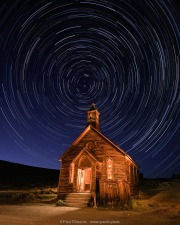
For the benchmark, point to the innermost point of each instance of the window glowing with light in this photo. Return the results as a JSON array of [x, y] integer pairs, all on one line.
[[71, 173], [109, 164]]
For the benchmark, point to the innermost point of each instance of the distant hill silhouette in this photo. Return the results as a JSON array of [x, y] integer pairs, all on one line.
[[13, 175]]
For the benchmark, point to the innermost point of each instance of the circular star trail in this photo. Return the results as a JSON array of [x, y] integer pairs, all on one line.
[[59, 57]]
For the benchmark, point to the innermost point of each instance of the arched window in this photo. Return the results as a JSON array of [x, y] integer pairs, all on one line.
[[109, 168], [71, 173]]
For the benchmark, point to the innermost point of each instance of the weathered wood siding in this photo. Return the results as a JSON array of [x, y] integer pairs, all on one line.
[[64, 185], [132, 176]]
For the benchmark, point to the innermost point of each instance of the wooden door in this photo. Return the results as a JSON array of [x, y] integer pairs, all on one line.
[[81, 176], [84, 180], [87, 180]]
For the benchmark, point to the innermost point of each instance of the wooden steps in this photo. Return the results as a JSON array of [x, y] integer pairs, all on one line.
[[75, 199]]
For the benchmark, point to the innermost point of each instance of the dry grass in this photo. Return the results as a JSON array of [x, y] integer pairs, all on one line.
[[161, 197], [36, 195]]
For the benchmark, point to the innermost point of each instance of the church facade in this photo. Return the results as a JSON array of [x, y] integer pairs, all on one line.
[[94, 164]]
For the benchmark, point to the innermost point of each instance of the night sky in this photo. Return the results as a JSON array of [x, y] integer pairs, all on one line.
[[59, 57]]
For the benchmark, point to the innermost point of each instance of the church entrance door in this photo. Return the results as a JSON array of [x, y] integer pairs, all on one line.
[[84, 180]]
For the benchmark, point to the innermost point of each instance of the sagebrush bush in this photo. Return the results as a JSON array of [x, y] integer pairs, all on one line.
[[61, 203], [23, 197]]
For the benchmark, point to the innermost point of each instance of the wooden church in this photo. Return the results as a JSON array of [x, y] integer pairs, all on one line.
[[95, 166]]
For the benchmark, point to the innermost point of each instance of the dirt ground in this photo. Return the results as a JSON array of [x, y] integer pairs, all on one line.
[[53, 215]]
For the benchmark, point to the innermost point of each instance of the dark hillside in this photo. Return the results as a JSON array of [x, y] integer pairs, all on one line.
[[19, 176]]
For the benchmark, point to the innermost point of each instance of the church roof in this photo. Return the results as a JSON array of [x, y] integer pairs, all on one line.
[[90, 127]]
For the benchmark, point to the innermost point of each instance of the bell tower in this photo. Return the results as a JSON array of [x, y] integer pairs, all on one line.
[[93, 117]]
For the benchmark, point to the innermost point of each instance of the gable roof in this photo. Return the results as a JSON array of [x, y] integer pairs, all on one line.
[[90, 127], [88, 153]]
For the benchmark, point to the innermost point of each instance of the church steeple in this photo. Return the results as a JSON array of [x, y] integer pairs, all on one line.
[[93, 116]]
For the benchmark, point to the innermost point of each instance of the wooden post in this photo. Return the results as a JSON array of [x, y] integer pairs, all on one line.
[[94, 199]]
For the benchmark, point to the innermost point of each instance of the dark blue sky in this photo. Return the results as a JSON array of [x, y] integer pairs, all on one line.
[[59, 57]]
